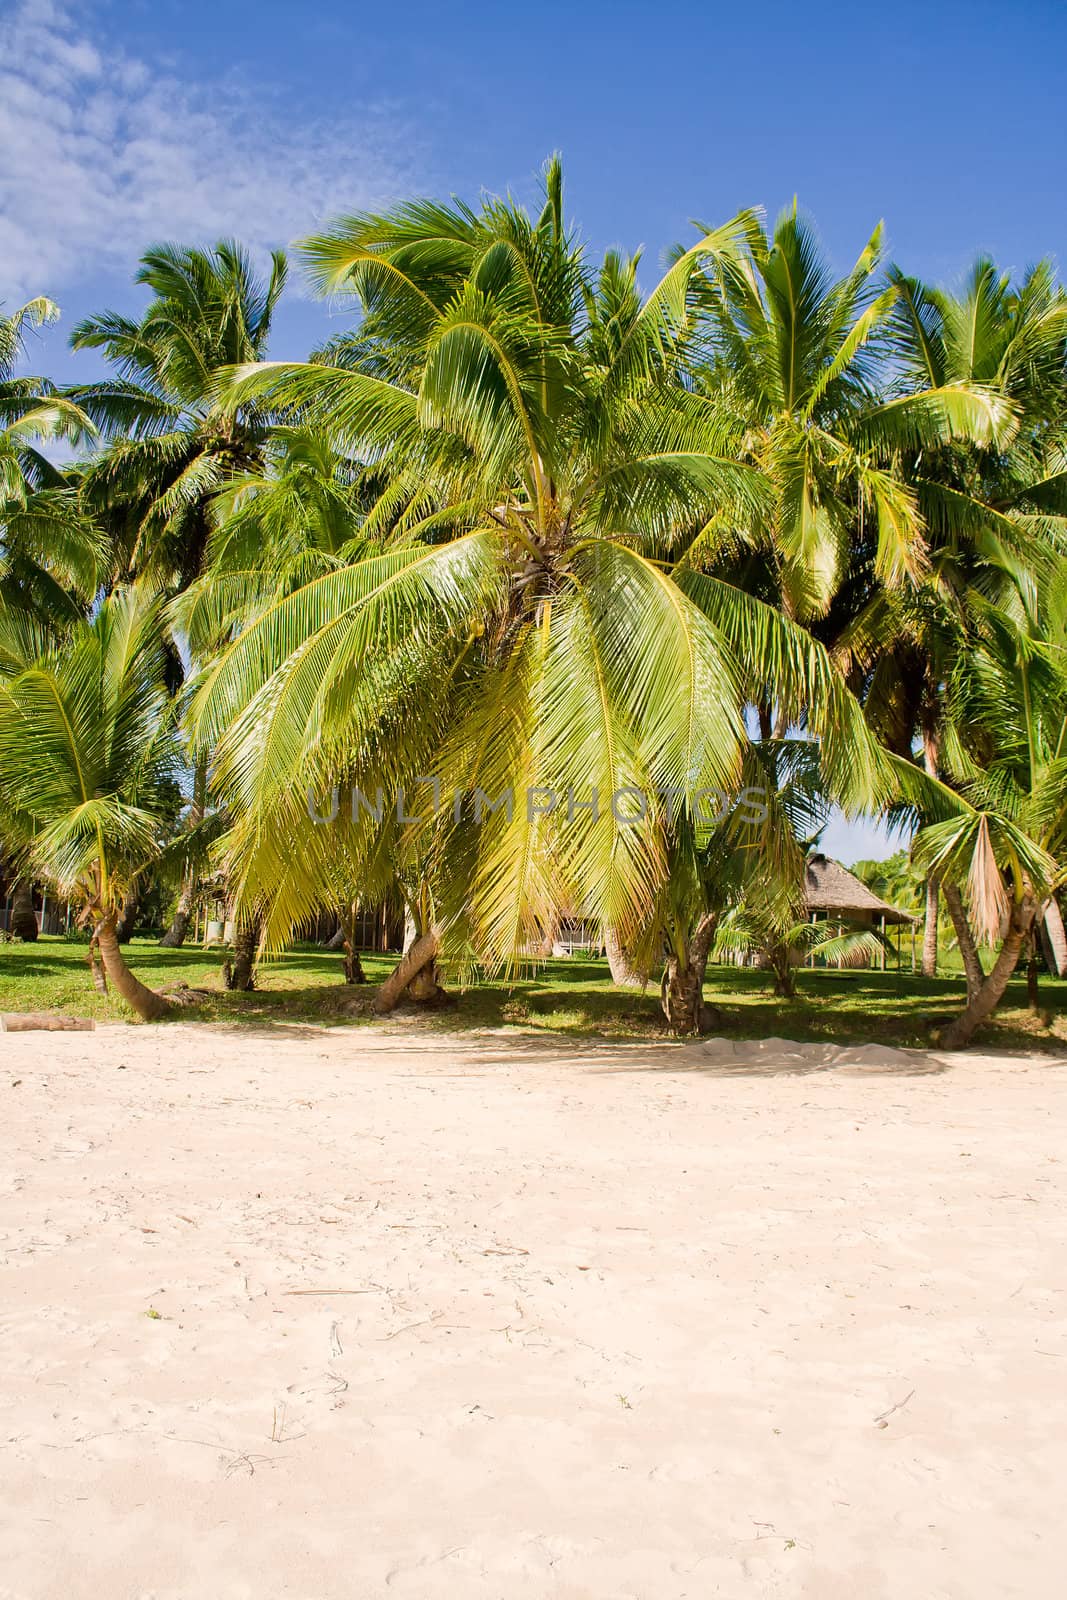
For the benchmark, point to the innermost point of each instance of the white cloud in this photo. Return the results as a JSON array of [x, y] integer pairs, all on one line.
[[102, 154]]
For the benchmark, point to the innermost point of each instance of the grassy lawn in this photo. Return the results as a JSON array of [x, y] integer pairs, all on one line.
[[570, 998]]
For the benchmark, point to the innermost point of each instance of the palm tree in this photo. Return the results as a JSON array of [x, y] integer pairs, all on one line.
[[736, 874], [795, 359], [88, 767], [50, 554], [995, 512], [514, 631], [271, 531], [171, 447], [1007, 722]]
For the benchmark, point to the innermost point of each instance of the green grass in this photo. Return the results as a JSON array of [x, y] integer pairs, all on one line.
[[568, 998]]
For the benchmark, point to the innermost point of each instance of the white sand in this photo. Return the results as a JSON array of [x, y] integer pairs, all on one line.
[[617, 1323]]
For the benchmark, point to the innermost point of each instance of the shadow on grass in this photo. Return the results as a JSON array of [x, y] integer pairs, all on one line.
[[571, 1001]]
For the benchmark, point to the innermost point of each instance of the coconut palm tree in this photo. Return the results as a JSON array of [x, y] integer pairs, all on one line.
[[795, 358], [271, 531], [1007, 747], [88, 768], [51, 556], [995, 512], [737, 871], [170, 447], [515, 638]]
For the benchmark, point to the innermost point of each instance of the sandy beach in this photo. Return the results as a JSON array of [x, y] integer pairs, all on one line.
[[357, 1314]]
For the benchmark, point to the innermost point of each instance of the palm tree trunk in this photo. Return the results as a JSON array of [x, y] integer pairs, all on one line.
[[931, 760], [972, 961], [241, 975], [930, 928], [128, 920], [1057, 938], [353, 965], [96, 966], [989, 996], [623, 971], [682, 986], [414, 976], [544, 946], [23, 917], [175, 935], [1033, 996], [779, 960], [148, 1005]]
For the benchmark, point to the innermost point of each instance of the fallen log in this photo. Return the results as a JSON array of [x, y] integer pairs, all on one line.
[[44, 1021]]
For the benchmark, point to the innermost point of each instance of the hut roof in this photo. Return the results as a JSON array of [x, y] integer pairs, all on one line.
[[828, 886]]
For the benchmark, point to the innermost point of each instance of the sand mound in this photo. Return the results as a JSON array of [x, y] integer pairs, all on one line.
[[788, 1055]]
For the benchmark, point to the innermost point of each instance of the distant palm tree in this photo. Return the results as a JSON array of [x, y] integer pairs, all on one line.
[[1006, 734], [87, 769], [51, 556], [995, 512], [171, 446], [272, 531], [794, 358]]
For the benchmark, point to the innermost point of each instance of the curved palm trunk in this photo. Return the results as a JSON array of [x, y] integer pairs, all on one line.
[[989, 996], [96, 966], [1056, 938], [23, 923], [972, 961], [148, 1005], [682, 986], [415, 975], [623, 971], [178, 931]]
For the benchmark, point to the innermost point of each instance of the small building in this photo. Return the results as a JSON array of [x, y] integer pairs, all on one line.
[[835, 895]]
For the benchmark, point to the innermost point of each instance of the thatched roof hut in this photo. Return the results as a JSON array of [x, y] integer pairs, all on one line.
[[830, 887]]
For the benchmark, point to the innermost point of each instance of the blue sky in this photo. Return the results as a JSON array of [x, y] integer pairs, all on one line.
[[128, 121]]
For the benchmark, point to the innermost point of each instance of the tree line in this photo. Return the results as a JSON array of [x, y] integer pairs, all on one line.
[[530, 524]]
